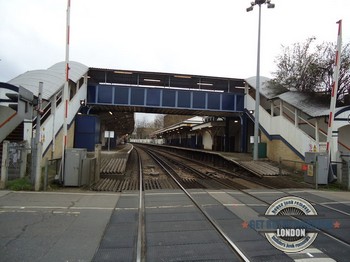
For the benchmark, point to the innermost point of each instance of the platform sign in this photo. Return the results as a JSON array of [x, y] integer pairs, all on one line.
[[251, 139], [109, 134]]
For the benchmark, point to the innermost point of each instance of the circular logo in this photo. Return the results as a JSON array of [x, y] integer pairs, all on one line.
[[290, 234]]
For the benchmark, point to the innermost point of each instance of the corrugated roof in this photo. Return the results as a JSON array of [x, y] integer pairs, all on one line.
[[53, 78], [77, 70], [307, 103]]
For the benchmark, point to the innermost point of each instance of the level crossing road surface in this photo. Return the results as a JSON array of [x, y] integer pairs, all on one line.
[[87, 226]]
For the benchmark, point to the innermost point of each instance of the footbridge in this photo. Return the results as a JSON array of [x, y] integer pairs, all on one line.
[[165, 93]]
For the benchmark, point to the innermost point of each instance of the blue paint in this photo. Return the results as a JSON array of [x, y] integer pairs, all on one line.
[[87, 132], [165, 98]]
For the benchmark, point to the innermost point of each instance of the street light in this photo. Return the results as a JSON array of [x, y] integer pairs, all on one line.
[[257, 90]]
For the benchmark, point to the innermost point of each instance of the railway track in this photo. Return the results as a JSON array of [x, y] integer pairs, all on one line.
[[167, 215], [230, 250], [205, 176], [329, 233], [195, 174]]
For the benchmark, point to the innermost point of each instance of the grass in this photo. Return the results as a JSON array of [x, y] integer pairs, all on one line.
[[336, 186], [20, 184]]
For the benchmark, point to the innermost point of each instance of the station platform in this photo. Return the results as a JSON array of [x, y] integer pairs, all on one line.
[[114, 161], [262, 167], [120, 149]]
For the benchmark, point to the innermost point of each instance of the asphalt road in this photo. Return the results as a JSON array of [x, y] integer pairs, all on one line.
[[52, 226], [70, 226]]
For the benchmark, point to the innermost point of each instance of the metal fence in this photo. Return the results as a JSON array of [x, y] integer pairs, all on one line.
[[14, 160]]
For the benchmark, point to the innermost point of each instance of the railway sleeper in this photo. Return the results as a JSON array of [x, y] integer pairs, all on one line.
[[102, 184], [115, 187]]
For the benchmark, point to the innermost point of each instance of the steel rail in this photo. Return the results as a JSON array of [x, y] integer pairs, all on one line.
[[231, 184], [140, 232], [342, 241], [233, 246]]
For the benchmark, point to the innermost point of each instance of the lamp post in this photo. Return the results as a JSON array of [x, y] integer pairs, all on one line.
[[257, 90]]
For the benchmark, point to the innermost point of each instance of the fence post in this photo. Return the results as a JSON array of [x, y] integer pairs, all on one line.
[[4, 164], [38, 167], [46, 174], [348, 175], [98, 161], [316, 173], [23, 166]]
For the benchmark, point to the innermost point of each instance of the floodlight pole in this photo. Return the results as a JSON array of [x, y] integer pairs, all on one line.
[[257, 94], [257, 89]]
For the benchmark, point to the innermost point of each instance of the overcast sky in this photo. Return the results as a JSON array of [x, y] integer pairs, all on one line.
[[216, 38]]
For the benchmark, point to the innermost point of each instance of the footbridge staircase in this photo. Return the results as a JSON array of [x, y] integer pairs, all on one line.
[[293, 123], [17, 97]]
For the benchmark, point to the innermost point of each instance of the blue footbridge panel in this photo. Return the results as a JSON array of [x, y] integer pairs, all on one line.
[[120, 95]]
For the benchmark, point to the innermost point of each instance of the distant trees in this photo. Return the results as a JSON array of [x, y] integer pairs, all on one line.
[[158, 122], [309, 67], [145, 127]]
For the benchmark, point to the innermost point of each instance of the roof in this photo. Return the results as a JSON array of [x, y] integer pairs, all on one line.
[[186, 123], [265, 89], [53, 78], [306, 102]]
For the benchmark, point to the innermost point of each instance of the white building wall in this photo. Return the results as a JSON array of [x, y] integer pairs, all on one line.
[[344, 131], [207, 141]]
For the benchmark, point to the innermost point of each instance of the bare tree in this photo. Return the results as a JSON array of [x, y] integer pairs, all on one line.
[[158, 122], [309, 67], [145, 127]]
